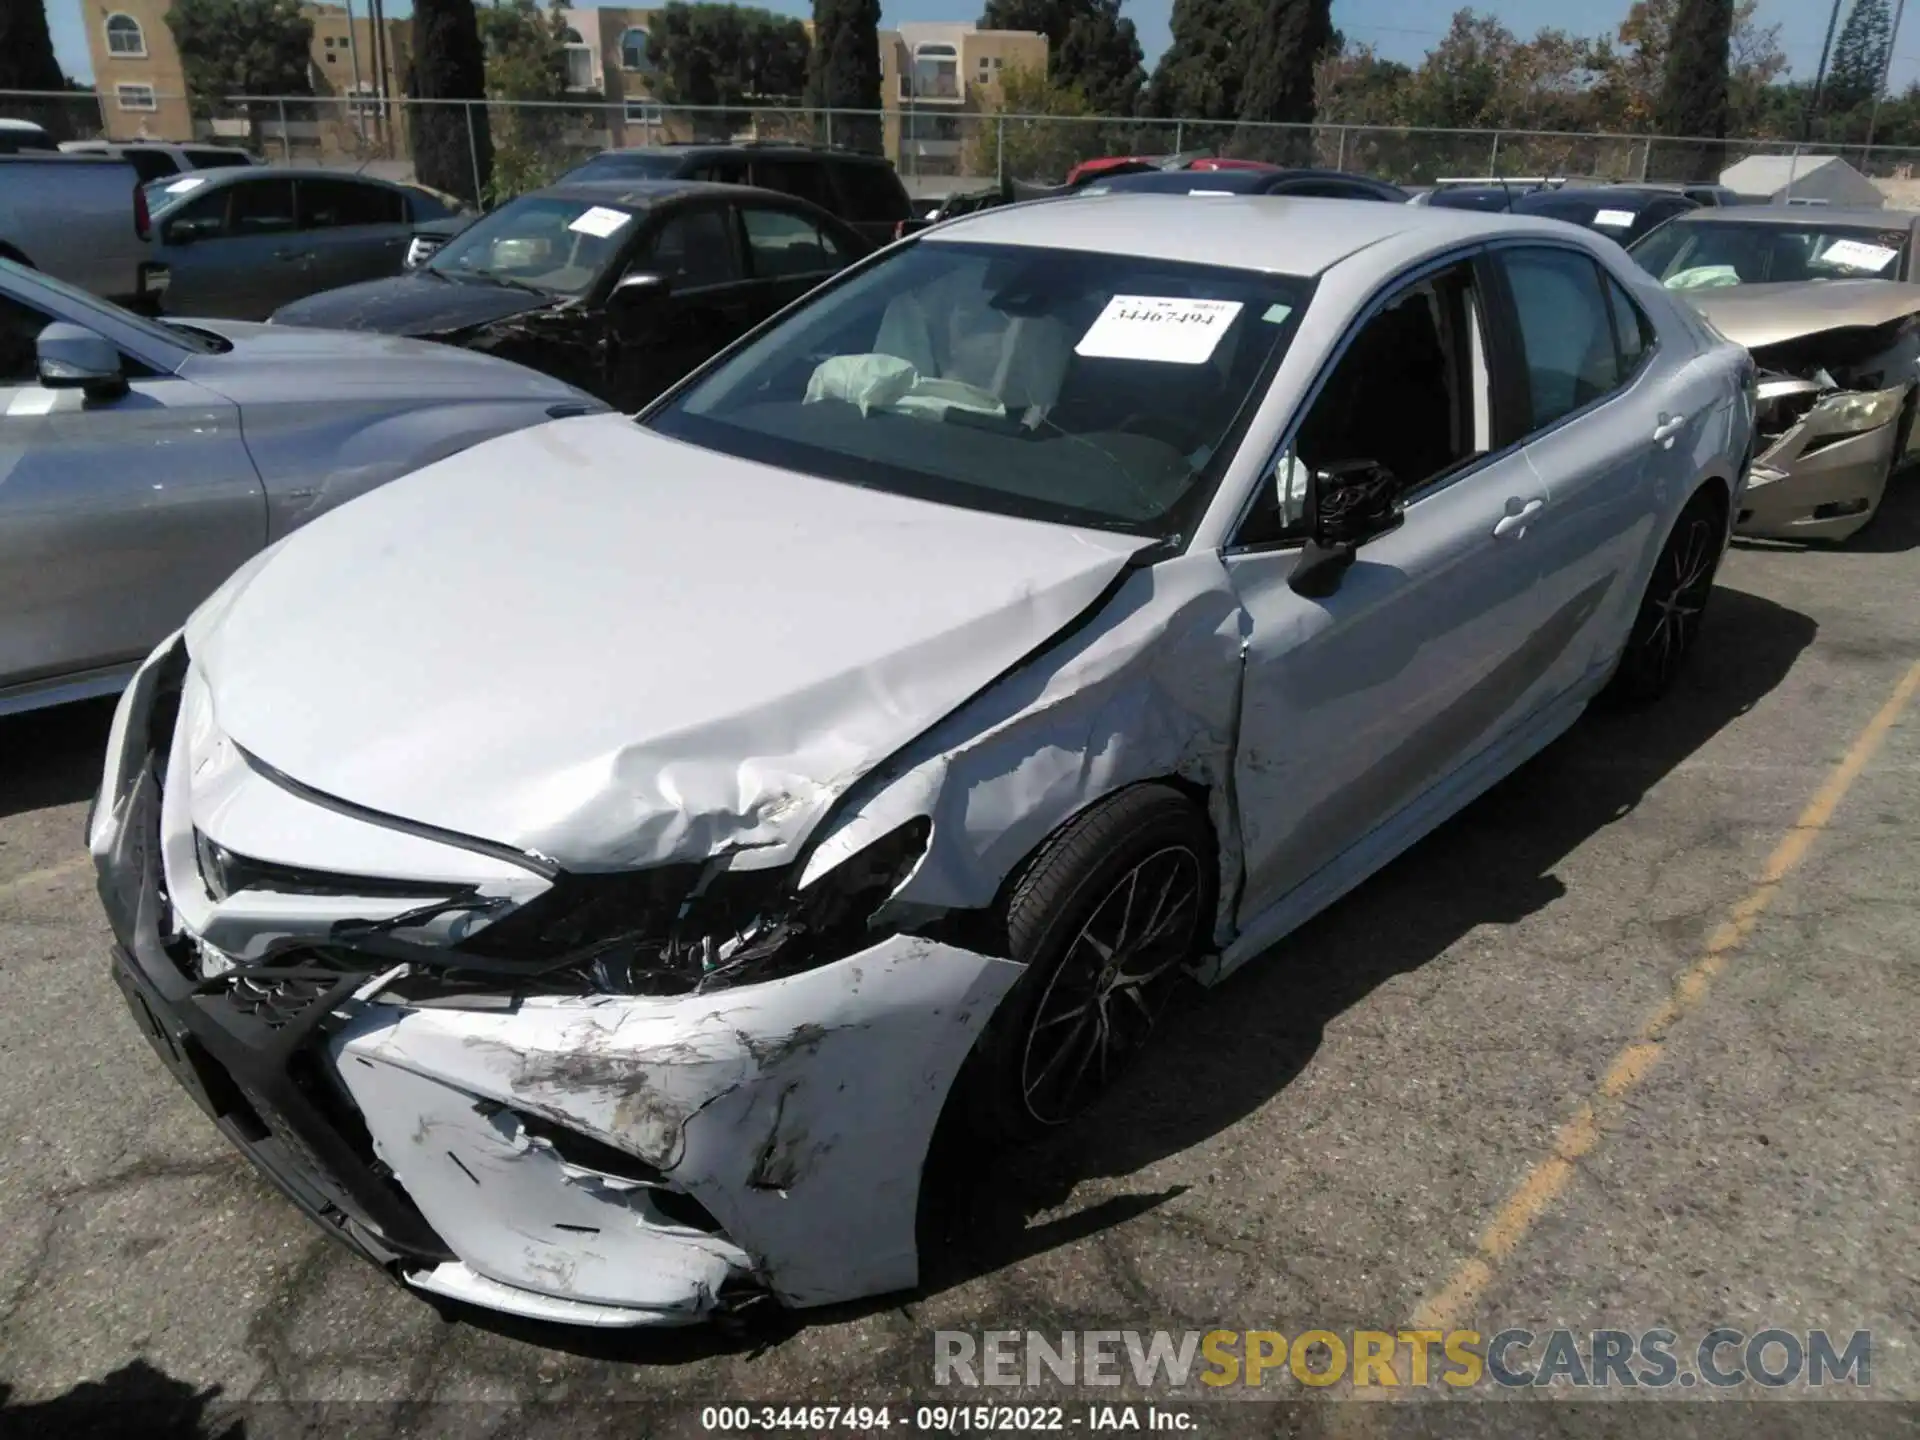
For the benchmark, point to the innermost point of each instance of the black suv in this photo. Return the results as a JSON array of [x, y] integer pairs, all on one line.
[[862, 190]]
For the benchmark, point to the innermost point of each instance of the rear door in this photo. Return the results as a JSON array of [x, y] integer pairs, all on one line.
[[1600, 420], [356, 230], [787, 254], [712, 300], [117, 517]]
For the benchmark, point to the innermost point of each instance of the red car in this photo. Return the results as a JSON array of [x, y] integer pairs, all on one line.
[[1124, 164]]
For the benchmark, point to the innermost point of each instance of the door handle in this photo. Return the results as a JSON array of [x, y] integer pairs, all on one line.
[[1515, 521], [1668, 428]]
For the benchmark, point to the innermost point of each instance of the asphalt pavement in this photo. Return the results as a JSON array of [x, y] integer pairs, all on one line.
[[1628, 1044]]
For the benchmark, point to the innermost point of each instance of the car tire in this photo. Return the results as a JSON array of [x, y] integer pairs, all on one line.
[[1668, 621], [1108, 918]]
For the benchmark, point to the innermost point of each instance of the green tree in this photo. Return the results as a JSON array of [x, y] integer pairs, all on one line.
[[721, 55], [1091, 47], [1859, 56], [452, 143], [1043, 149], [1287, 46], [242, 47], [1201, 75], [27, 63], [843, 72], [526, 65], [1693, 91]]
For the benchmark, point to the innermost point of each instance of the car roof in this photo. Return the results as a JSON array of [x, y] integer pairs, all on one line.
[[1245, 232], [232, 174], [639, 194], [1602, 194], [1800, 215]]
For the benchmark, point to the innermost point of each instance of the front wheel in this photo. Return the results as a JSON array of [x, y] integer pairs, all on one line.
[[1107, 919], [1676, 597]]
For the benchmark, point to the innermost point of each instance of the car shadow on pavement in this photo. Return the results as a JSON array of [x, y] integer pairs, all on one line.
[[52, 756], [1228, 1052], [136, 1399]]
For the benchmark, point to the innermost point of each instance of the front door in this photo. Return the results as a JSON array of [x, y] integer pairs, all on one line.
[[1356, 704], [117, 517], [787, 254], [710, 302], [236, 253]]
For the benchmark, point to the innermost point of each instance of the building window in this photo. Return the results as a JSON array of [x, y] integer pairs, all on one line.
[[644, 112], [134, 97], [125, 37], [633, 50], [362, 99], [936, 73], [579, 61]]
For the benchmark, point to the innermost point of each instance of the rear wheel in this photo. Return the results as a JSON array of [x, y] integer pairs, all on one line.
[[1107, 919], [1676, 598]]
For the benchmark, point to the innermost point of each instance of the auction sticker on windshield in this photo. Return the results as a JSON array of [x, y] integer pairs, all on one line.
[[1857, 255], [1153, 327], [191, 182], [1614, 219], [599, 221]]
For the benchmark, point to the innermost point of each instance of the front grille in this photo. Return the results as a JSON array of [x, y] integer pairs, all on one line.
[[276, 1001]]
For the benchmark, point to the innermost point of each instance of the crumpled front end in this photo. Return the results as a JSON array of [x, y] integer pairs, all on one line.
[[611, 1100], [1831, 427]]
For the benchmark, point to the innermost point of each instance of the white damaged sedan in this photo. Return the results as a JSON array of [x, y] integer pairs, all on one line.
[[583, 873]]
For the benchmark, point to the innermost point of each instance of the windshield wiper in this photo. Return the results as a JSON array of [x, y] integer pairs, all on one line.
[[507, 280]]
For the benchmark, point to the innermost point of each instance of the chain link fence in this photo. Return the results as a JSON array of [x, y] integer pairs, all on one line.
[[938, 150]]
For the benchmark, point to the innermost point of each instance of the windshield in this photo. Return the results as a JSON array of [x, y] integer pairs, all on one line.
[[1694, 254], [1091, 389], [544, 241]]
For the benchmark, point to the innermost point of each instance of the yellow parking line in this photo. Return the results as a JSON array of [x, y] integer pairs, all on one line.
[[37, 877], [1547, 1178]]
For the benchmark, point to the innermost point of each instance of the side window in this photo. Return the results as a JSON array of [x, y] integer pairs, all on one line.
[[1632, 331], [264, 207], [693, 250], [782, 243], [20, 327], [729, 170], [203, 218], [1420, 357], [214, 159], [801, 178], [329, 204], [1566, 331]]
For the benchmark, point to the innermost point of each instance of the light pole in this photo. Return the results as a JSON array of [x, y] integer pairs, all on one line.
[[1819, 76], [1886, 69]]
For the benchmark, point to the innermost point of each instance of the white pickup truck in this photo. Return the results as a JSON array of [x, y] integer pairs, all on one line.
[[80, 219]]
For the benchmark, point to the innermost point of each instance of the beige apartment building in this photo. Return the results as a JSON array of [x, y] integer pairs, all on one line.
[[936, 79]]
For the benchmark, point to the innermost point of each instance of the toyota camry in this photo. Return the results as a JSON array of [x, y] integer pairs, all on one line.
[[582, 874]]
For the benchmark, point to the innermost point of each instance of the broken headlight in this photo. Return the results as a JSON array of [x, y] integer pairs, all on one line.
[[669, 930]]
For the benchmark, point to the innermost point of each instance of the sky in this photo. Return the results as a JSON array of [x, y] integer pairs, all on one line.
[[1398, 29]]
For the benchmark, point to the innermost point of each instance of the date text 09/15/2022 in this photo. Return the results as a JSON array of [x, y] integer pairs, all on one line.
[[945, 1419]]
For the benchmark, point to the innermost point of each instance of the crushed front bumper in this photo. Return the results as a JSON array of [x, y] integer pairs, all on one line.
[[598, 1159], [1818, 480]]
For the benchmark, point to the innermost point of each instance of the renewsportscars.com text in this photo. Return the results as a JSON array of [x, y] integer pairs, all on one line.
[[1379, 1359]]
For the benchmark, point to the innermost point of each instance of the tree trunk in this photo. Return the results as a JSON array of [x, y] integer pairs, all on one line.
[[452, 144]]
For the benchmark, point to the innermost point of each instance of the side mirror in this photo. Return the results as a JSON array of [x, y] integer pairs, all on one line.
[[74, 358], [639, 291], [180, 232], [1354, 501]]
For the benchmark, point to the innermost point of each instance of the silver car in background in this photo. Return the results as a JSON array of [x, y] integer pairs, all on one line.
[[141, 462]]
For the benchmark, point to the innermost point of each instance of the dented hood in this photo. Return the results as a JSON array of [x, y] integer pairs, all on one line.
[[616, 649], [1757, 316]]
